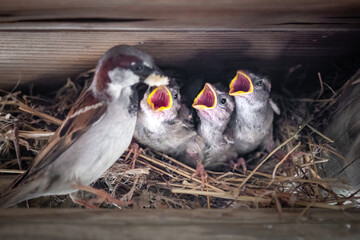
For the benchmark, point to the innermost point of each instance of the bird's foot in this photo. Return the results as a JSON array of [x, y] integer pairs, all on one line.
[[240, 162], [281, 155], [135, 149], [102, 196], [80, 201], [200, 171]]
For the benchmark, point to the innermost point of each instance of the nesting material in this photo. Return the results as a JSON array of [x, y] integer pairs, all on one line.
[[159, 181]]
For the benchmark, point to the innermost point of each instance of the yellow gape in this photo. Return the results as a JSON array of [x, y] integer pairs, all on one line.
[[246, 85], [199, 103], [153, 99]]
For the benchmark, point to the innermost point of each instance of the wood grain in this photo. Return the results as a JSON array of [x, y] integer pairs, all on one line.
[[51, 40], [52, 56], [234, 14], [344, 129], [177, 224]]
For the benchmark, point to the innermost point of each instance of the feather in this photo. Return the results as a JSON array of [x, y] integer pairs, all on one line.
[[85, 112]]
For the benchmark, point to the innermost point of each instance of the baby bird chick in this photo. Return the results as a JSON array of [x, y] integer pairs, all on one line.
[[252, 123], [215, 107]]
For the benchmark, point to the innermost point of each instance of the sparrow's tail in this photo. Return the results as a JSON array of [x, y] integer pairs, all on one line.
[[15, 195], [10, 198]]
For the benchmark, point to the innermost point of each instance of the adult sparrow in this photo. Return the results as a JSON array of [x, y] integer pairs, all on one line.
[[96, 131]]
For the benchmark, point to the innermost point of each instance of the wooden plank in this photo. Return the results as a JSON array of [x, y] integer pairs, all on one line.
[[226, 20], [189, 15], [229, 13], [318, 5], [29, 56], [177, 224], [51, 40], [344, 129]]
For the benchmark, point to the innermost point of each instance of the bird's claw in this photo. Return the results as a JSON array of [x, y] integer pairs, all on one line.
[[281, 155], [239, 163], [135, 149], [200, 171], [103, 196]]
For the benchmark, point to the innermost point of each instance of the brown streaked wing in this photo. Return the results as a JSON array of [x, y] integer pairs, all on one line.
[[79, 120]]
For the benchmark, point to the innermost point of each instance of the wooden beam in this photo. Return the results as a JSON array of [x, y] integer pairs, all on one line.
[[52, 56], [178, 224], [201, 13], [304, 5], [51, 40], [344, 129]]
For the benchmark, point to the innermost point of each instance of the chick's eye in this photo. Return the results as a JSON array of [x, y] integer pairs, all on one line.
[[175, 96], [223, 101], [258, 83]]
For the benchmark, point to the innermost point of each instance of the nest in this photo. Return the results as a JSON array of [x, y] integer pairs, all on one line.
[[159, 181]]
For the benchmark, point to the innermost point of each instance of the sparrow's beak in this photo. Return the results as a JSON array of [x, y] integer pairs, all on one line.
[[241, 84], [160, 99], [206, 99], [157, 78]]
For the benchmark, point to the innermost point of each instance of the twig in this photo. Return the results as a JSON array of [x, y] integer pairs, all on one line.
[[332, 90], [175, 161], [325, 205], [305, 210], [316, 162], [17, 145], [15, 171], [35, 112], [35, 134], [208, 198], [222, 195], [321, 86], [332, 151], [155, 168], [314, 172], [319, 133], [283, 160], [179, 172], [355, 82], [272, 153]]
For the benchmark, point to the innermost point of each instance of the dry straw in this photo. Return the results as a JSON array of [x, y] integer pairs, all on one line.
[[159, 181]]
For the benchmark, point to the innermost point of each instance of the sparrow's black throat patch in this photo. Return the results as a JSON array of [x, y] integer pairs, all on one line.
[[134, 102]]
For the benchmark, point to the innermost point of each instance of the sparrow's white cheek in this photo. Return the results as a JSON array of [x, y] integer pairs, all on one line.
[[115, 90], [120, 79]]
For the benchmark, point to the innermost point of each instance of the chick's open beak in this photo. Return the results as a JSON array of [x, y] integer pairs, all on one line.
[[206, 99], [160, 99], [241, 84], [157, 78]]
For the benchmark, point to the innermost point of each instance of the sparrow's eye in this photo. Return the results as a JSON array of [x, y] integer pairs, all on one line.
[[259, 83], [137, 67], [223, 101], [175, 96]]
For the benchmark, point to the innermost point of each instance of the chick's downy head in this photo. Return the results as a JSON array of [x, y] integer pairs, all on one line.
[[250, 87], [213, 104], [162, 102]]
